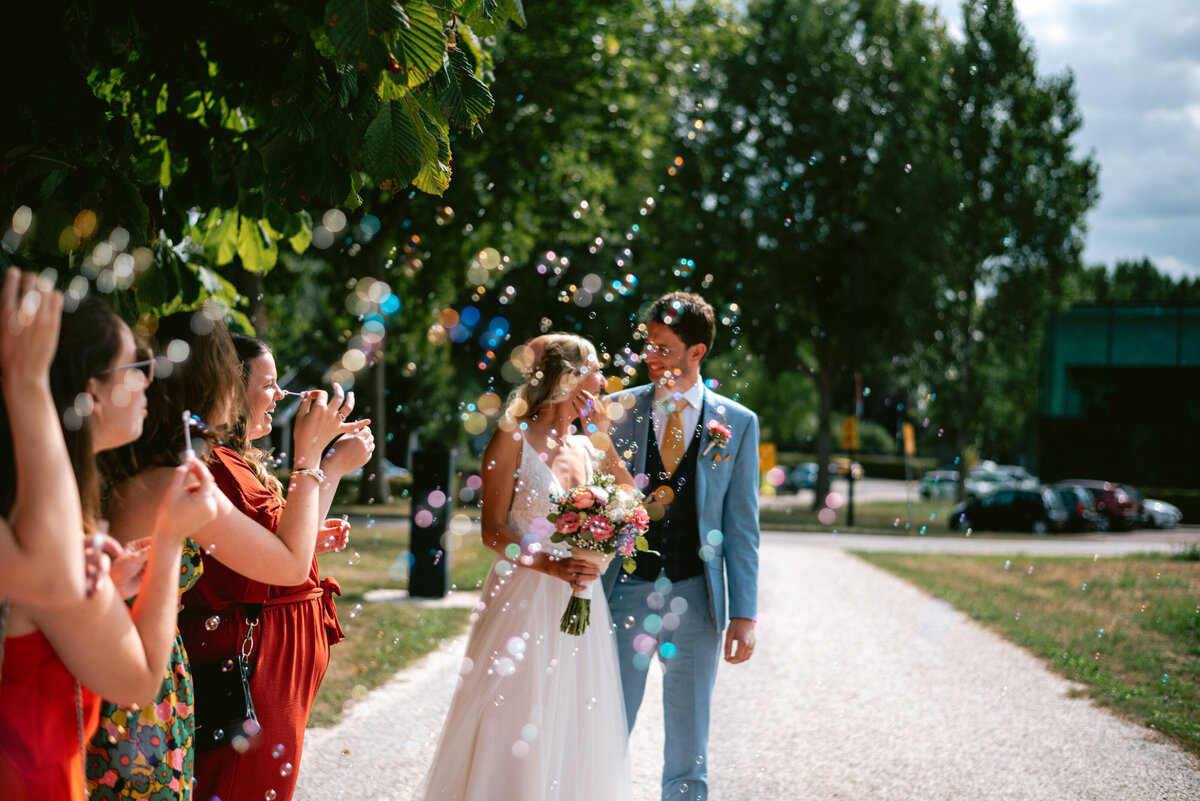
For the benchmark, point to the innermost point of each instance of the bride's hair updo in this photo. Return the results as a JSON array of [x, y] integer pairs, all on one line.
[[553, 365]]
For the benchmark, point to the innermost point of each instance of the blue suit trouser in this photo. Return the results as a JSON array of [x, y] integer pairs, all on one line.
[[674, 623]]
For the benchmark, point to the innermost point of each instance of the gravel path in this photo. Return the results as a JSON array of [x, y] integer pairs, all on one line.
[[862, 688]]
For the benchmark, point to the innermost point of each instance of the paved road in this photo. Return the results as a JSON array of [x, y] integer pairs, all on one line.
[[862, 688]]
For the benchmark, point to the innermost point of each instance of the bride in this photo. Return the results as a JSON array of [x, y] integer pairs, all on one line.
[[538, 714]]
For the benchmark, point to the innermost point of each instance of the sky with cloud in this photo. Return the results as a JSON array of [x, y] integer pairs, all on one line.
[[1137, 82]]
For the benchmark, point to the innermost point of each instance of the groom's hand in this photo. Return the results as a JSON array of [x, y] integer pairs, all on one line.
[[739, 640]]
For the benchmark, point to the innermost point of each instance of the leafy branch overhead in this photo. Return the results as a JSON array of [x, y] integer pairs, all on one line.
[[228, 121]]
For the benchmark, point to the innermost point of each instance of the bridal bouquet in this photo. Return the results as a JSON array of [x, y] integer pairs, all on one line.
[[598, 520]]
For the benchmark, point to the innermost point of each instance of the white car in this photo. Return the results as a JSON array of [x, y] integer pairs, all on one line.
[[390, 470], [1160, 514]]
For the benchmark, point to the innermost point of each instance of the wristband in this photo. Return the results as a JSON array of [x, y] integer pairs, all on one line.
[[315, 472]]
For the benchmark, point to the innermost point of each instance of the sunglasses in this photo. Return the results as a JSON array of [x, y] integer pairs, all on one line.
[[146, 366]]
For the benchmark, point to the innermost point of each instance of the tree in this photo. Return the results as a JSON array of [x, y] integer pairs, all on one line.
[[813, 175], [227, 123], [548, 233], [1021, 195], [1132, 282]]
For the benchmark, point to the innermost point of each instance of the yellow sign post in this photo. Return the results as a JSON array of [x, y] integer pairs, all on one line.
[[850, 433], [767, 456]]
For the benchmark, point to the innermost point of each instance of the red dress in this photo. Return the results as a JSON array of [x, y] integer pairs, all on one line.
[[40, 757], [290, 655]]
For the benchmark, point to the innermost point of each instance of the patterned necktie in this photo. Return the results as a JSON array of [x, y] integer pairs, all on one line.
[[671, 448]]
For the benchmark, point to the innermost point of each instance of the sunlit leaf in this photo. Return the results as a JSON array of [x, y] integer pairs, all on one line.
[[422, 46], [257, 251]]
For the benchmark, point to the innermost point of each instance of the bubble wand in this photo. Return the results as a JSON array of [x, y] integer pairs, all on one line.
[[188, 452]]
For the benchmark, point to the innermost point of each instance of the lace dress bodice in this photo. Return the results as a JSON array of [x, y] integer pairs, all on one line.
[[535, 489]]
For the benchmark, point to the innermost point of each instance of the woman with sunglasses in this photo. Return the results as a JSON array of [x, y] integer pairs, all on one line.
[[261, 547], [58, 661]]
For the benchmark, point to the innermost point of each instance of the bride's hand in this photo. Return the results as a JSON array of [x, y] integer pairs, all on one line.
[[576, 572], [592, 410]]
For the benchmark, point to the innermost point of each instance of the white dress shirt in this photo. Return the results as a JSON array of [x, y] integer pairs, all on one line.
[[663, 398]]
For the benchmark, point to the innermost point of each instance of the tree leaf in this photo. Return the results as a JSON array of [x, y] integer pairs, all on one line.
[[257, 251], [387, 15], [392, 145], [460, 92], [220, 242], [348, 22], [421, 46], [514, 10], [301, 240]]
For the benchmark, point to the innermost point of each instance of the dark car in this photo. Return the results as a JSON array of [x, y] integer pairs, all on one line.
[[1119, 505], [1080, 506], [1011, 509], [803, 475]]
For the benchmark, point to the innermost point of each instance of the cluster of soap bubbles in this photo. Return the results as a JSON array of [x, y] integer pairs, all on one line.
[[108, 266]]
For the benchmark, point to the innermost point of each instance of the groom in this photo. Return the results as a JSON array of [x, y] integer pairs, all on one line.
[[699, 452]]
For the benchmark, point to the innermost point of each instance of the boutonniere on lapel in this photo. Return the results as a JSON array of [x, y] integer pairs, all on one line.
[[718, 437]]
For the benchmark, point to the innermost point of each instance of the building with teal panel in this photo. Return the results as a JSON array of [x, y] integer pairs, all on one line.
[[1121, 395]]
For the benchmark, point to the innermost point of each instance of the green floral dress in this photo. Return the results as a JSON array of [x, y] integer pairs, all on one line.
[[146, 752]]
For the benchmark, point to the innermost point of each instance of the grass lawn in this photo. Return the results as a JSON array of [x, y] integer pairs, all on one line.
[[1127, 628], [381, 638], [891, 517]]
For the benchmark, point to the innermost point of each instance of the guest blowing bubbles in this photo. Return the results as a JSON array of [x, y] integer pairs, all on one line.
[[112, 650], [251, 546], [298, 623]]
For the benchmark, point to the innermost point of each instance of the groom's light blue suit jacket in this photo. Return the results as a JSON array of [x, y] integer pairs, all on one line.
[[726, 497]]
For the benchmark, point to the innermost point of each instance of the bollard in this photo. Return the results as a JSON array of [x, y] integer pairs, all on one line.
[[432, 472]]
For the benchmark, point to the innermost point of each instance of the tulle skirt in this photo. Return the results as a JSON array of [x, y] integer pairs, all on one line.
[[538, 714]]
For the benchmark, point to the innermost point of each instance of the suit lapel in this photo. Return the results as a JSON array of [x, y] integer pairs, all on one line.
[[702, 461], [643, 418]]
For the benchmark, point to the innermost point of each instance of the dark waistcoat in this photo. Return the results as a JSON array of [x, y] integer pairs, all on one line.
[[677, 534]]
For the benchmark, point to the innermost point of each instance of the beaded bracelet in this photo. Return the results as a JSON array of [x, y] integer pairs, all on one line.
[[315, 472]]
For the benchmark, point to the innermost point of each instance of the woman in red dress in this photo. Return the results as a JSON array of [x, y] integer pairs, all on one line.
[[244, 569], [57, 661]]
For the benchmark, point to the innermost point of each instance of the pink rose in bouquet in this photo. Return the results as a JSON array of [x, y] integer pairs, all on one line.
[[640, 518], [599, 528], [567, 523]]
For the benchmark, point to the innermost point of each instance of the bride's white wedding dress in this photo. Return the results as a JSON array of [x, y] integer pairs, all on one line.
[[538, 714]]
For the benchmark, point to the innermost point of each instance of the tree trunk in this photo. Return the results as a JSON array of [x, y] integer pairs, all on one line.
[[824, 380], [965, 417], [374, 486]]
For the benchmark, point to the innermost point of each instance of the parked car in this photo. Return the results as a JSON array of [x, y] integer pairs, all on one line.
[[803, 476], [1160, 514], [1011, 509], [1119, 505], [939, 484], [1080, 506], [1020, 476], [989, 477], [389, 470], [985, 480]]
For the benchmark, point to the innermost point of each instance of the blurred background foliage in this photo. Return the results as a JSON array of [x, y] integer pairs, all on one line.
[[394, 194]]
